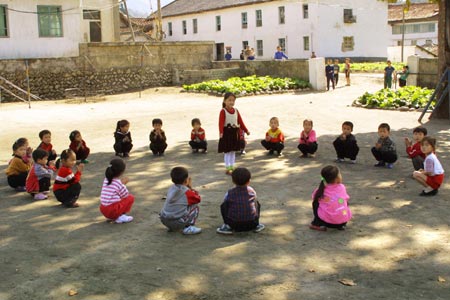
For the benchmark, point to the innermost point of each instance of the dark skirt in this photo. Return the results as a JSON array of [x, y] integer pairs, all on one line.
[[230, 140]]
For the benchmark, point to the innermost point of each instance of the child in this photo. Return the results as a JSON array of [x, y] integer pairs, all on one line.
[[432, 176], [240, 209], [274, 138], [198, 140], [242, 142], [279, 55], [414, 151], [46, 144], [157, 138], [228, 55], [122, 137], [78, 146], [115, 200], [181, 209], [330, 202], [329, 73], [388, 72], [384, 150], [308, 141], [229, 123], [347, 70], [403, 76], [38, 180], [17, 170], [336, 71], [67, 186], [345, 144], [27, 155]]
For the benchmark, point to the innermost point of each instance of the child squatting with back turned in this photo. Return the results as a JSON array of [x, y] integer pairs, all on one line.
[[180, 210], [240, 209], [115, 200], [432, 176], [67, 186], [330, 201]]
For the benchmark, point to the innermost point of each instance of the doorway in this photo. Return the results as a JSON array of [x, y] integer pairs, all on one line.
[[220, 51], [95, 32]]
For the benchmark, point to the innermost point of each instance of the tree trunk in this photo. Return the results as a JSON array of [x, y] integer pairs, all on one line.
[[442, 112]]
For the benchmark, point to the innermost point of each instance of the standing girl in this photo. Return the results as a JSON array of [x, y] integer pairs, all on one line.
[[330, 202], [115, 200], [122, 137], [67, 186], [347, 68], [230, 122]]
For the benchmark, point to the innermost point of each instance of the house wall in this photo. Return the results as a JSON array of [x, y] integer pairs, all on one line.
[[395, 53], [419, 38], [324, 27]]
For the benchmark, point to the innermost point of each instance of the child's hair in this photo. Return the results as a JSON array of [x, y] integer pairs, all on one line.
[[66, 153], [226, 96], [179, 175], [420, 129], [430, 140], [39, 154], [156, 121], [196, 121], [388, 61], [329, 175], [348, 123], [306, 121], [406, 67], [384, 125], [115, 169], [19, 143], [73, 135], [44, 133], [241, 176], [121, 124], [274, 119]]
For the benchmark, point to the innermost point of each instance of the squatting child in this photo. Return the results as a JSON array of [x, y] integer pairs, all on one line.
[[240, 208], [122, 139], [414, 151], [274, 140], [17, 170], [384, 150], [198, 138], [308, 140], [78, 146], [180, 210], [432, 176], [67, 186], [330, 202], [46, 144], [38, 180], [345, 144], [157, 138], [115, 200]]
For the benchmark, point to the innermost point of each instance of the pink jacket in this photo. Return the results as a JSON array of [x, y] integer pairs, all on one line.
[[333, 206], [307, 139]]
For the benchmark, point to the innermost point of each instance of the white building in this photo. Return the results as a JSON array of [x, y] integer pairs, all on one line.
[[330, 28], [54, 28]]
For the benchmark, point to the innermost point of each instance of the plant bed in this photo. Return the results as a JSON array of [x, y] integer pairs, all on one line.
[[248, 86], [404, 99], [375, 67]]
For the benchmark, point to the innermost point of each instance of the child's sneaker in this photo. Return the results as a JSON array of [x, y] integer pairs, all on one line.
[[318, 228], [259, 228], [205, 151], [339, 160], [20, 189], [124, 219], [390, 166], [84, 161], [191, 230], [379, 164], [243, 152], [431, 193], [352, 161], [194, 150], [40, 196], [224, 229]]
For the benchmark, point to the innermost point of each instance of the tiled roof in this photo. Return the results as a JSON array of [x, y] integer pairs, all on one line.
[[416, 12], [184, 7]]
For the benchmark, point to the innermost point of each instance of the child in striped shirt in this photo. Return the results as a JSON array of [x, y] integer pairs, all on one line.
[[115, 200]]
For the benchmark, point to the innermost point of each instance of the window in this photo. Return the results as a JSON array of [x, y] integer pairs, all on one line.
[[348, 16], [282, 44], [306, 43], [184, 26], [91, 14], [3, 21], [413, 42], [258, 18], [414, 28], [194, 26], [169, 29], [305, 11], [50, 21], [399, 43], [259, 48], [244, 20], [244, 44], [218, 25], [348, 43], [281, 15]]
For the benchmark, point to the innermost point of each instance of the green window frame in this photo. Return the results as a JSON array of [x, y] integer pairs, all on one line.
[[50, 21], [4, 21]]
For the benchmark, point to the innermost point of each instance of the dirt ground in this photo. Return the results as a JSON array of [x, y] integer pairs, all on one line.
[[395, 247]]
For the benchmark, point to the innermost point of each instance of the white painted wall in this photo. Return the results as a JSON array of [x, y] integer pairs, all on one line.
[[420, 38], [395, 53], [324, 26], [24, 40]]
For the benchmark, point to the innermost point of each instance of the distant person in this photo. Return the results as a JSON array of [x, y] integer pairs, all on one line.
[[122, 137], [242, 55], [242, 142], [329, 73], [252, 54], [384, 150], [198, 138], [403, 76], [247, 52], [345, 144], [78, 146], [389, 71], [313, 54], [228, 56], [414, 151], [336, 71], [279, 55], [157, 138], [347, 70]]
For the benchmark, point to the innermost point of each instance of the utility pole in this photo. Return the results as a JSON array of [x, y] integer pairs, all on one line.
[[403, 29], [160, 31], [129, 20]]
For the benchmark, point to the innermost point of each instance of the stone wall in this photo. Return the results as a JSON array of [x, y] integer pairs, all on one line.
[[428, 72]]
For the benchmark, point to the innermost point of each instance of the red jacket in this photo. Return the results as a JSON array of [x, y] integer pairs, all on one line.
[[198, 136], [66, 178], [415, 150]]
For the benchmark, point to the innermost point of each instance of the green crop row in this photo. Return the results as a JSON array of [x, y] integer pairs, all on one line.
[[409, 96], [375, 67]]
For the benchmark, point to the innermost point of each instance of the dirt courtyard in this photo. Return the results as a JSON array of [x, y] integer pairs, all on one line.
[[395, 247]]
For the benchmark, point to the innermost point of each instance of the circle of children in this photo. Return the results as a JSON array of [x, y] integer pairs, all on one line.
[[240, 209]]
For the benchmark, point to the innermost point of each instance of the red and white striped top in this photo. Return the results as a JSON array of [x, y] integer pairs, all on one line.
[[112, 193]]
